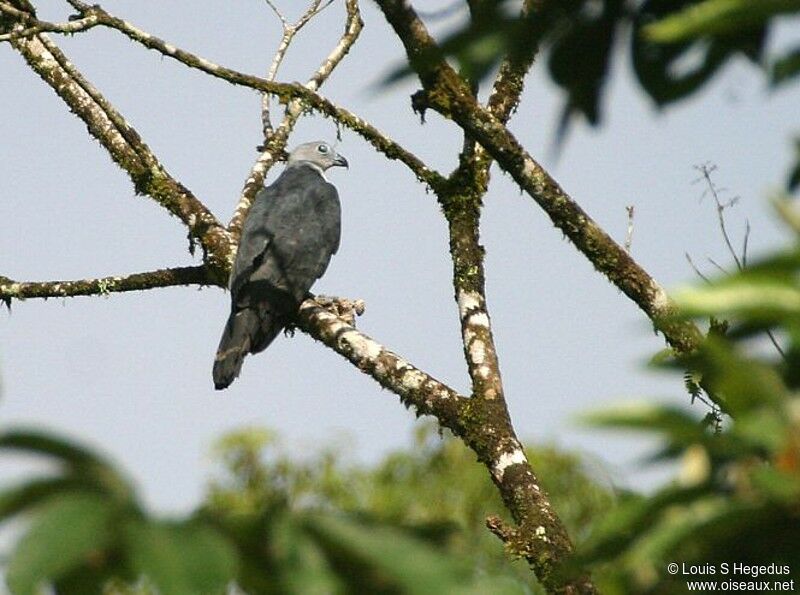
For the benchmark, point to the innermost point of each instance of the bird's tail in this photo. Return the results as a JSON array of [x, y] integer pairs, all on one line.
[[235, 343], [245, 332]]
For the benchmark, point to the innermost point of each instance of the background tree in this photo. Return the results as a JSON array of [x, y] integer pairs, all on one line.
[[481, 419]]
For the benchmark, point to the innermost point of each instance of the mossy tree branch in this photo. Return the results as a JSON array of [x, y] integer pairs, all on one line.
[[448, 94], [21, 290]]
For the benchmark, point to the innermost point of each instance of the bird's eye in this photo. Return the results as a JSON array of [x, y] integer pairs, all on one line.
[[322, 148]]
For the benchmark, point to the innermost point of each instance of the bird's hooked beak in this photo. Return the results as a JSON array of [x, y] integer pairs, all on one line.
[[341, 161]]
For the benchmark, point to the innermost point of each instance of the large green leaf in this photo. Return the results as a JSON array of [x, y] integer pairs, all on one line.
[[301, 564], [39, 442], [662, 68], [717, 17], [69, 531], [391, 557], [179, 559], [29, 494], [84, 465], [786, 68]]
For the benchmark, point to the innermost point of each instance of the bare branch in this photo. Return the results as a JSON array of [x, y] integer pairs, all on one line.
[[35, 26], [629, 233], [278, 13], [20, 290], [705, 171], [276, 143], [510, 81], [695, 269], [289, 31]]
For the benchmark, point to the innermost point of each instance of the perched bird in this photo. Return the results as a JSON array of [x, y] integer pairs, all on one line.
[[287, 241]]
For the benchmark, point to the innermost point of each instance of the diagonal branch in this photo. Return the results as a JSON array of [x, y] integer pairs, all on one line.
[[124, 145], [195, 275], [448, 94], [414, 387]]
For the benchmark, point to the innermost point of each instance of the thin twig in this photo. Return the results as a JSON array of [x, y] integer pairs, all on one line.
[[717, 266], [289, 31], [706, 170], [695, 269], [38, 26], [276, 142], [629, 233]]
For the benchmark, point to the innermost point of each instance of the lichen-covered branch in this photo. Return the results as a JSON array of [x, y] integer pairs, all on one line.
[[462, 203], [414, 387], [123, 144], [276, 141], [20, 290], [448, 94], [540, 535], [32, 26]]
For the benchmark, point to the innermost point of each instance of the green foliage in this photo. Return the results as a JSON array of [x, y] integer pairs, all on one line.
[[434, 495], [272, 524], [676, 46], [87, 533], [736, 495]]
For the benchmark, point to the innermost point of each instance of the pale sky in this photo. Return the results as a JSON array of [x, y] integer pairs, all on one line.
[[131, 373]]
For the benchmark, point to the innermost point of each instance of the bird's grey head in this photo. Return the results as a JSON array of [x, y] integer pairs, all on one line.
[[318, 153]]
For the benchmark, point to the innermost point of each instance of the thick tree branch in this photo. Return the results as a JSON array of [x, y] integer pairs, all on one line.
[[20, 290], [275, 144], [462, 206], [449, 95], [124, 144]]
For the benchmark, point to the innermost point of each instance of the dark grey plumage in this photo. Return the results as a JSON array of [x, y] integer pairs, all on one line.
[[288, 238]]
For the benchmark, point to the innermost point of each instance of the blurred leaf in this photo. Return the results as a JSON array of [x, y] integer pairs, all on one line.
[[180, 559], [580, 56], [85, 466], [676, 423], [29, 494], [671, 71], [43, 443], [405, 564], [767, 298], [631, 519], [746, 384], [777, 484], [303, 567], [69, 531], [717, 17], [786, 68], [794, 177]]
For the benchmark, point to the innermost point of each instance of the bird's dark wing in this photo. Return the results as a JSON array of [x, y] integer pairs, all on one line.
[[287, 241]]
